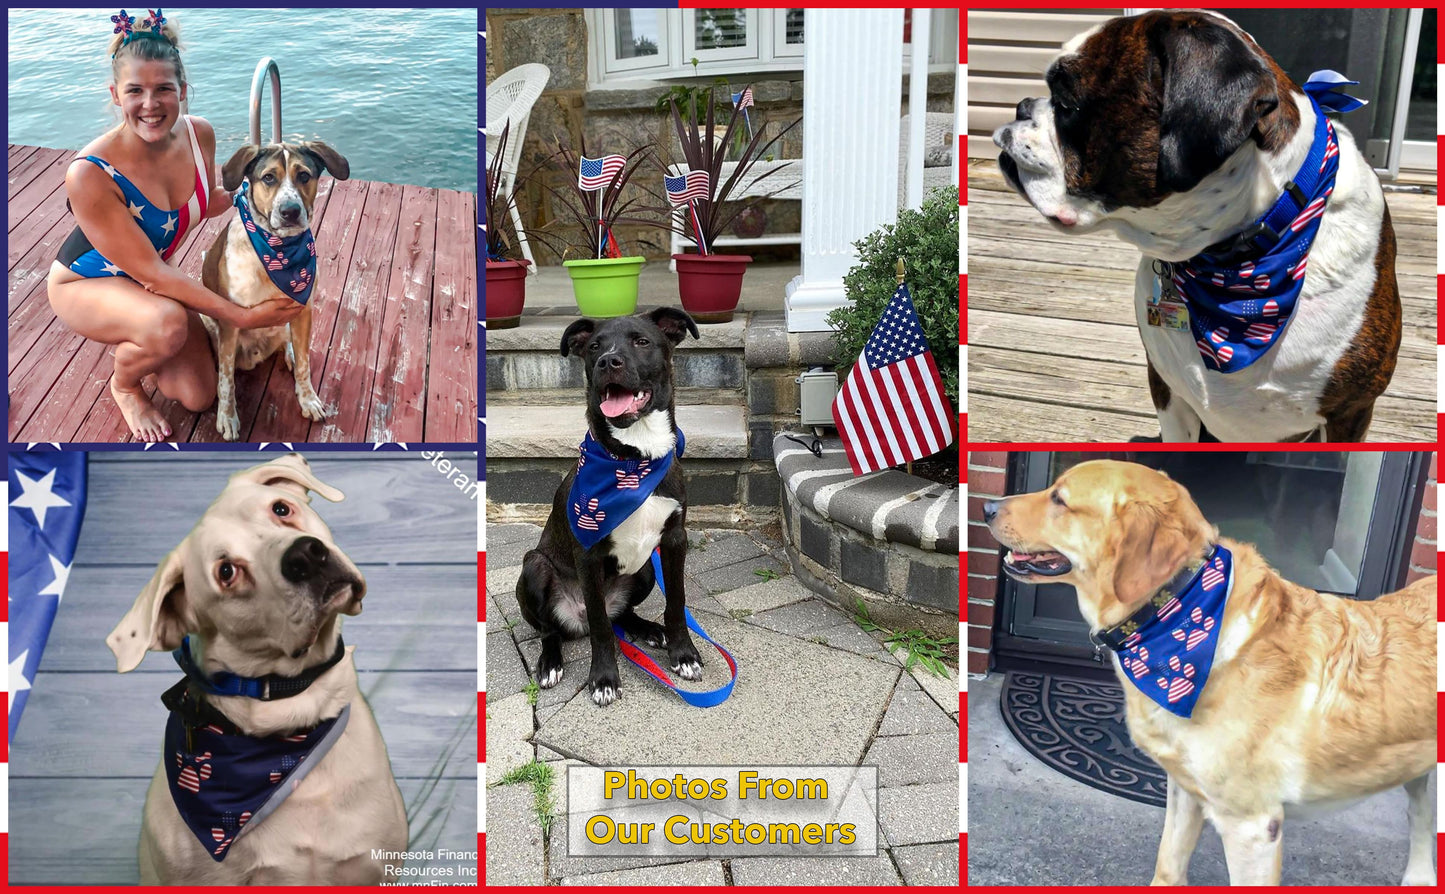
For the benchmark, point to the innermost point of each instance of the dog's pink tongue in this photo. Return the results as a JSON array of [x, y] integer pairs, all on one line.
[[620, 403]]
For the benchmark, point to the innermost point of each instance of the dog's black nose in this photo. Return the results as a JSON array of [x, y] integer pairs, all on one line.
[[1024, 111], [291, 215], [304, 559], [612, 362], [990, 509]]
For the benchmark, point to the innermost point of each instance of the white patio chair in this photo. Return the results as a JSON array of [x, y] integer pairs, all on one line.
[[937, 131], [509, 101]]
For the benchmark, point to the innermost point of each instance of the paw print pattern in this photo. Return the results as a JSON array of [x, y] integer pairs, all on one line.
[[1195, 630], [633, 480], [194, 770], [591, 520]]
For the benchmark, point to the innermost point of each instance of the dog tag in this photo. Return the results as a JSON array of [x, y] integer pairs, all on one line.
[[1166, 308]]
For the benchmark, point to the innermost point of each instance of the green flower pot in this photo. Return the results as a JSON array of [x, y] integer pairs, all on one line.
[[605, 287]]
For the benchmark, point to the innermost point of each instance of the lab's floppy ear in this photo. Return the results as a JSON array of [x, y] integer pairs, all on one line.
[[575, 338], [674, 323], [1152, 546], [292, 472], [1215, 91], [332, 160], [160, 617], [234, 171]]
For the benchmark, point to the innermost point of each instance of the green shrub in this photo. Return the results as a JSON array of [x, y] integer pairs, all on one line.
[[927, 240]]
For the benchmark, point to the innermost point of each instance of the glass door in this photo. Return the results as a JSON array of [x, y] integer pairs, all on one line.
[[1334, 522]]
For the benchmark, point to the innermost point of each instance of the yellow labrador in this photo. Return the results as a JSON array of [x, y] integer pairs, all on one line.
[[1312, 700], [256, 589]]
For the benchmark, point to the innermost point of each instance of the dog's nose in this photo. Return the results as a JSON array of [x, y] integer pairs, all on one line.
[[304, 559], [291, 215], [612, 362], [1024, 111], [990, 509]]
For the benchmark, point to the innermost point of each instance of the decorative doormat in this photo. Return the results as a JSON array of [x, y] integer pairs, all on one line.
[[1076, 726]]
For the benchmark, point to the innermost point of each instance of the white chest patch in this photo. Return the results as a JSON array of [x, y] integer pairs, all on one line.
[[634, 540], [651, 434]]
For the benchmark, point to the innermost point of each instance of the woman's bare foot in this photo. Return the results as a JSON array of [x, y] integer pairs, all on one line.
[[145, 421]]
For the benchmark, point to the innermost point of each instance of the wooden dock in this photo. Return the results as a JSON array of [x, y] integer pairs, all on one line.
[[1054, 351], [393, 343], [89, 738]]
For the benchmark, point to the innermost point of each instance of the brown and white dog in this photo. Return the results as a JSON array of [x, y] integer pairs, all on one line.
[[1174, 130], [1312, 700], [282, 181]]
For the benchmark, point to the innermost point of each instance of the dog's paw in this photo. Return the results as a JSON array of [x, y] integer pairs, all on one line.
[[605, 695], [688, 670], [547, 677], [685, 660], [228, 424], [311, 406]]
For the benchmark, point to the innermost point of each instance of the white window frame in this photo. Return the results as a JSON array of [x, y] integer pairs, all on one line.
[[764, 52]]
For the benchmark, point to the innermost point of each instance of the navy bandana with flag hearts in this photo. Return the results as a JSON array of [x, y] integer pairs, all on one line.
[[290, 261], [1168, 658], [1240, 299], [224, 782], [606, 490]]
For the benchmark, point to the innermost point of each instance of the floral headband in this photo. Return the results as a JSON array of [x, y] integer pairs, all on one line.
[[125, 24]]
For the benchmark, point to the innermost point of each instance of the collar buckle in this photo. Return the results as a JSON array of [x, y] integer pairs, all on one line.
[[1242, 245]]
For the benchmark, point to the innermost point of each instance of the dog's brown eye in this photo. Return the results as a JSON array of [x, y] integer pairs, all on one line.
[[1056, 499], [227, 572], [280, 509], [304, 178], [643, 342], [269, 179]]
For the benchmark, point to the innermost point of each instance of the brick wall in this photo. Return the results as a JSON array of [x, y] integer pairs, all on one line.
[[1423, 551], [986, 478]]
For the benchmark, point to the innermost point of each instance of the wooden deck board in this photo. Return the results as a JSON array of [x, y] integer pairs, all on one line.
[[1055, 353], [390, 288]]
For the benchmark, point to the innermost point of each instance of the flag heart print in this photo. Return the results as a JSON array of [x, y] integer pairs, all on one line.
[[1170, 656]]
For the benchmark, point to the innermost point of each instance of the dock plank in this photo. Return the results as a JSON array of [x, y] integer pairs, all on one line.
[[394, 345], [1055, 351]]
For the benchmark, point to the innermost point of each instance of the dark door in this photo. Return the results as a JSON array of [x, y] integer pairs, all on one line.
[[1334, 522]]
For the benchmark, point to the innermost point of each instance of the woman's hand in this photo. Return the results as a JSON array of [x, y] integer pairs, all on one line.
[[271, 312]]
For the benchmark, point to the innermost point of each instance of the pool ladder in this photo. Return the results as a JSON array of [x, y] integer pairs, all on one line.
[[266, 67]]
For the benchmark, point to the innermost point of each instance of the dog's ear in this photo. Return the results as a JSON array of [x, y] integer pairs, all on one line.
[[576, 335], [1152, 547], [674, 323], [160, 617], [233, 172], [293, 473], [330, 159], [1215, 91]]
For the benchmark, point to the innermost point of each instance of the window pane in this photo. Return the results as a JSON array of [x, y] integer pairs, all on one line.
[[638, 32], [795, 26], [719, 28]]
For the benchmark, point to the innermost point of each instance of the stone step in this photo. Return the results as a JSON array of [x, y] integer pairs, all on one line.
[[550, 431]]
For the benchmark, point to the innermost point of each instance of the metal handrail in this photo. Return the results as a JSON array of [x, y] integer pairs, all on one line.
[[266, 66]]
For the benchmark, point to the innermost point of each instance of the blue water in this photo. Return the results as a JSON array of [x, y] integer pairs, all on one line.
[[395, 91]]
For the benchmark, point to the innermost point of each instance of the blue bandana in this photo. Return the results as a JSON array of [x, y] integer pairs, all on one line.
[[1241, 298], [224, 782], [1167, 648], [606, 490], [289, 261]]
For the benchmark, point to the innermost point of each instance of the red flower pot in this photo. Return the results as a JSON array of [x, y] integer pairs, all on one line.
[[710, 285], [506, 291]]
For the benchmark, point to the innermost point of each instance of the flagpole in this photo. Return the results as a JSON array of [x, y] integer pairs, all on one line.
[[898, 278], [599, 222]]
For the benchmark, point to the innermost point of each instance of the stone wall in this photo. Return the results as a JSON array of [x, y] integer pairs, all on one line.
[[618, 120]]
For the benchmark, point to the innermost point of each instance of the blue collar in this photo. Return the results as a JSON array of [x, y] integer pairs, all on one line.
[[1241, 293], [1166, 649], [606, 490], [267, 688], [289, 261]]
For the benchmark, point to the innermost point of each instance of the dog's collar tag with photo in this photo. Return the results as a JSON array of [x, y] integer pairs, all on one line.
[[224, 782], [289, 261], [1166, 308], [1169, 653], [607, 490]]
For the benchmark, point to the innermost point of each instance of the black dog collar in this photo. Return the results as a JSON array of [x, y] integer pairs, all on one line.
[[266, 689], [1114, 637]]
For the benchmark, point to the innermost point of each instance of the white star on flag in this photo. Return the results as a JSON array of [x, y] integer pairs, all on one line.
[[38, 496], [62, 576], [111, 269], [109, 170], [170, 224], [18, 683], [135, 210]]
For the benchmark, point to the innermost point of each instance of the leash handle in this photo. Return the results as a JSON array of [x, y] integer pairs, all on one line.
[[705, 699]]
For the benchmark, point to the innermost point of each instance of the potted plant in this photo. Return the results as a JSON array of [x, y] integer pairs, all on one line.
[[709, 283], [693, 101], [604, 281], [506, 278]]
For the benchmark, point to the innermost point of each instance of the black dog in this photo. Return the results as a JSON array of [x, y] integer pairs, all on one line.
[[566, 589]]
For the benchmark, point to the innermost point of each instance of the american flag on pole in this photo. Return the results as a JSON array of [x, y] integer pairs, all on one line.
[[47, 503], [596, 173], [744, 99], [892, 408], [687, 187]]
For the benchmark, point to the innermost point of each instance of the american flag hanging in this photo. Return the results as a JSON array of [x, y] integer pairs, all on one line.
[[47, 504], [596, 173], [687, 187], [744, 99], [892, 408]]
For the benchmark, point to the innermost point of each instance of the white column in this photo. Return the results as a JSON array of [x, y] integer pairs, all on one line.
[[852, 102], [918, 105]]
